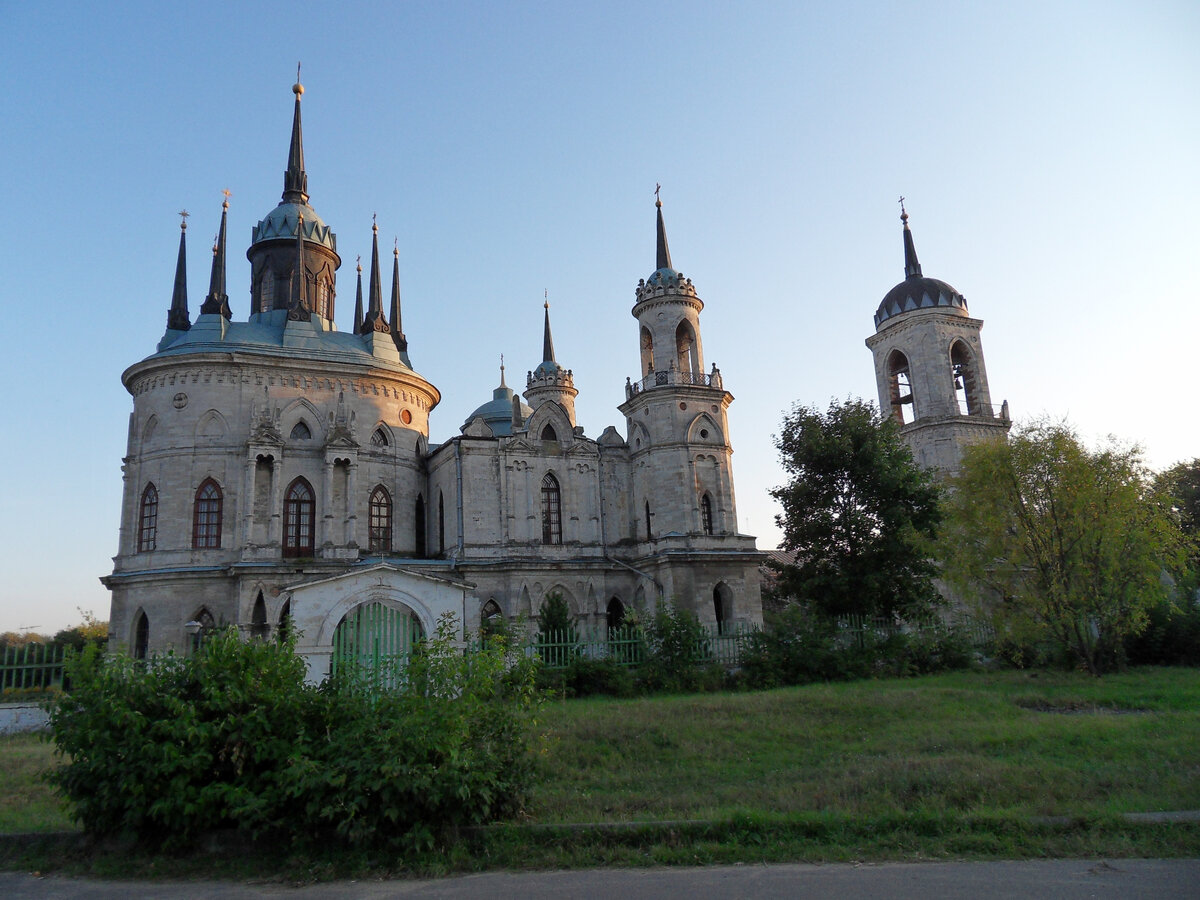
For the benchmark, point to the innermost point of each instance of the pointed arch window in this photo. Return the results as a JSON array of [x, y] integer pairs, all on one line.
[[549, 434], [615, 614], [323, 305], [206, 516], [706, 514], [301, 432], [285, 622], [648, 533], [900, 392], [148, 519], [551, 510], [258, 618], [141, 636], [298, 507], [687, 357], [441, 524], [379, 531], [266, 291], [491, 619], [647, 351], [379, 438], [966, 382]]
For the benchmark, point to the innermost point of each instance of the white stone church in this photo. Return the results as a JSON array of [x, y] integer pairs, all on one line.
[[279, 470]]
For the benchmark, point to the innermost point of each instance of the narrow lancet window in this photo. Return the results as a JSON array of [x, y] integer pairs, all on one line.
[[148, 519], [206, 516], [551, 510]]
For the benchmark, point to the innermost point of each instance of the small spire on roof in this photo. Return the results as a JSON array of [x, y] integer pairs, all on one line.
[[374, 320], [397, 330], [912, 266], [547, 338], [178, 318], [502, 384], [358, 308], [295, 180], [663, 254], [217, 300]]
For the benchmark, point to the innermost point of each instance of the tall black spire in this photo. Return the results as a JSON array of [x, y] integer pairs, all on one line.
[[663, 260], [374, 320], [547, 340], [397, 330], [295, 181], [299, 311], [358, 312], [177, 317], [217, 300], [912, 266]]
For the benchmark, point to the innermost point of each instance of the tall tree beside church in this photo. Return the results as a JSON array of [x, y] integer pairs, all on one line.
[[1181, 485], [858, 512], [1062, 542]]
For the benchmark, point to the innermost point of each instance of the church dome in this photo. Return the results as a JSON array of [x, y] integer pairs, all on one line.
[[919, 292], [280, 224], [497, 412]]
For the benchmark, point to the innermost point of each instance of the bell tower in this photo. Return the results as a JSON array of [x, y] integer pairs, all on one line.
[[676, 416], [929, 367]]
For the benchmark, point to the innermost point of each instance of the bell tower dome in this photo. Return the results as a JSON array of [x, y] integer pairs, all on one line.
[[929, 367]]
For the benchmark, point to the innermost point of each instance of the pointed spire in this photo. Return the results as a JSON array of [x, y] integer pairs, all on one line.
[[547, 339], [178, 318], [912, 266], [295, 181], [663, 260], [299, 311], [217, 300], [374, 320], [502, 384], [358, 309], [397, 330]]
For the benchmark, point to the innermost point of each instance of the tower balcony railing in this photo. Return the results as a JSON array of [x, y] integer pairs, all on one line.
[[673, 377]]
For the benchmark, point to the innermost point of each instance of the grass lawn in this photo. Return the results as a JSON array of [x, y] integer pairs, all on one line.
[[957, 765]]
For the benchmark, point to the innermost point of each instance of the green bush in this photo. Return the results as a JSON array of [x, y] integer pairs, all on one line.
[[232, 737], [1171, 637], [589, 678], [678, 653]]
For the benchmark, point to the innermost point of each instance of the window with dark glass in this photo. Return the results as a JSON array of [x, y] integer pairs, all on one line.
[[148, 519], [141, 637], [706, 516], [206, 516], [551, 511], [301, 432], [379, 531], [298, 507]]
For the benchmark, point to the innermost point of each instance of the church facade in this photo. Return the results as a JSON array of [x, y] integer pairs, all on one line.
[[281, 471]]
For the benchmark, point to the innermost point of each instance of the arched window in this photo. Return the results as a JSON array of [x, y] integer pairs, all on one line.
[[301, 432], [441, 524], [379, 438], [285, 621], [202, 625], [647, 351], [551, 510], [419, 523], [298, 506], [706, 516], [148, 519], [721, 607], [900, 393], [322, 307], [615, 613], [491, 619], [258, 618], [548, 433], [648, 533], [966, 385], [206, 516], [687, 359], [266, 291], [141, 636], [379, 531]]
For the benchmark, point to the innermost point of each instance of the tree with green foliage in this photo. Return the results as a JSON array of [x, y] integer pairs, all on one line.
[[1181, 484], [1061, 542], [557, 638], [858, 512]]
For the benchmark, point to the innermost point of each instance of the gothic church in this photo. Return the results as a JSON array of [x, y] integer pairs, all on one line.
[[280, 471]]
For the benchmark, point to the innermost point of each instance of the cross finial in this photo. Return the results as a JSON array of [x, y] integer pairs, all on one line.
[[297, 70], [546, 297], [396, 246], [903, 213], [360, 262], [183, 216], [657, 199], [227, 193]]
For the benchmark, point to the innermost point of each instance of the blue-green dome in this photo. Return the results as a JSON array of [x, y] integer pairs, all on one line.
[[547, 367], [280, 223], [497, 412]]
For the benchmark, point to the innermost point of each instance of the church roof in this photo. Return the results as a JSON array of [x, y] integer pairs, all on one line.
[[917, 291], [497, 412]]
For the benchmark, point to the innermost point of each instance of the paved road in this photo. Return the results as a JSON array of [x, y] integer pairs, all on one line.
[[1058, 879]]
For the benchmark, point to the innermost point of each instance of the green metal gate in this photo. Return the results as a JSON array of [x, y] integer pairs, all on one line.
[[374, 639]]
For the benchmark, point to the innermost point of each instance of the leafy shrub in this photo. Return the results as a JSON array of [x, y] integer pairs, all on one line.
[[232, 736], [1171, 637], [588, 678], [678, 653], [556, 638], [800, 646]]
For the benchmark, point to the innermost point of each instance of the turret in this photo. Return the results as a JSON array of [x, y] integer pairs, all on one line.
[[374, 320], [217, 301], [549, 381], [178, 318]]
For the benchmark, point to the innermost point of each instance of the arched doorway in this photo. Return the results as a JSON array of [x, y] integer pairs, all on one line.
[[374, 639]]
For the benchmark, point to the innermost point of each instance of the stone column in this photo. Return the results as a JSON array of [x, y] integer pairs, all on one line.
[[248, 500], [352, 504], [275, 531]]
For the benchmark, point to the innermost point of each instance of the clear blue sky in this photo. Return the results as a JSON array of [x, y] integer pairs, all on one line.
[[1050, 154]]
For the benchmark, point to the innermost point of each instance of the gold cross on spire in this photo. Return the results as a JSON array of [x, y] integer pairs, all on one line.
[[183, 216]]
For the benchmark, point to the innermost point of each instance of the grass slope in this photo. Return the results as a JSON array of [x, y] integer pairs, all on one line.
[[957, 765]]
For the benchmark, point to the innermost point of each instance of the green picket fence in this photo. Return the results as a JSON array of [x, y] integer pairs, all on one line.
[[32, 667], [628, 645], [978, 632]]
